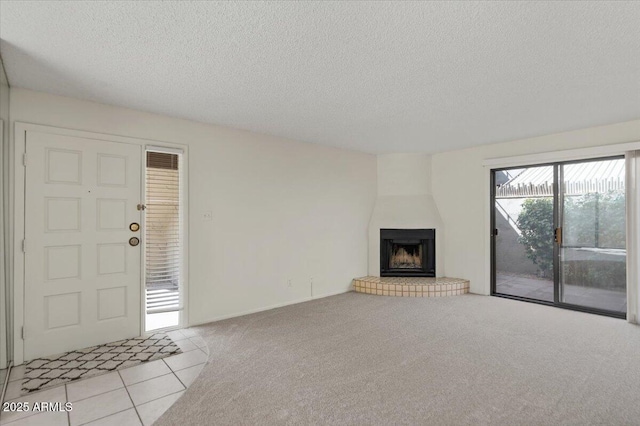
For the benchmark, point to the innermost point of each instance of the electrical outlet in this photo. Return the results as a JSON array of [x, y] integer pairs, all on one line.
[[207, 216], [289, 283]]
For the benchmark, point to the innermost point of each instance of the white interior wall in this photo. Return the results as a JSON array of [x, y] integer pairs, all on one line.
[[461, 192], [404, 202], [285, 210], [404, 174], [282, 210]]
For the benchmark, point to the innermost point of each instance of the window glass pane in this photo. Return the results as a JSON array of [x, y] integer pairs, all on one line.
[[593, 251], [524, 244]]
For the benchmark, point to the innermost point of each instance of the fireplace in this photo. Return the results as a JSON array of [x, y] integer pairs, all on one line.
[[407, 252]]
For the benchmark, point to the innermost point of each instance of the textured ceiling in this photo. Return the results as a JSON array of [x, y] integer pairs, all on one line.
[[375, 77]]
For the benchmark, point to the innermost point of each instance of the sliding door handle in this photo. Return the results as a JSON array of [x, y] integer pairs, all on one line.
[[557, 236]]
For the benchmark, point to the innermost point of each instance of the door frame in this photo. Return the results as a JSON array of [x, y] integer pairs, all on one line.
[[19, 209], [5, 333], [492, 236], [557, 222]]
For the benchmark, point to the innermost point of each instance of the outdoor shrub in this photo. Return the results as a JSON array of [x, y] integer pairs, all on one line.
[[595, 220], [536, 224]]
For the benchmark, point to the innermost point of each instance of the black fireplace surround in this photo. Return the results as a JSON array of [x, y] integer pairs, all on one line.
[[407, 252]]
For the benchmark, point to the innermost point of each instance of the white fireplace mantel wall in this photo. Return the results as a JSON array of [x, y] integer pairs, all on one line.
[[404, 202]]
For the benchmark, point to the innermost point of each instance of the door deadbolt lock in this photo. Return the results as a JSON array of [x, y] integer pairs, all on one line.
[[133, 241], [134, 227]]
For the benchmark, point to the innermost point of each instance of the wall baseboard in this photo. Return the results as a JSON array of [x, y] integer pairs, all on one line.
[[268, 308]]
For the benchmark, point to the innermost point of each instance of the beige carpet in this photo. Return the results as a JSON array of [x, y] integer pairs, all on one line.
[[361, 359]]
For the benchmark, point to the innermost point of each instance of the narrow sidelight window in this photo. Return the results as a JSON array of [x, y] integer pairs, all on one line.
[[163, 240]]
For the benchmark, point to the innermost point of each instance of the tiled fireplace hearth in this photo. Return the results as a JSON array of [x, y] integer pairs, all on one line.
[[411, 286]]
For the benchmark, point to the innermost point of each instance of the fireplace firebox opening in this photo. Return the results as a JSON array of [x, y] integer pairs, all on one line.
[[407, 252]]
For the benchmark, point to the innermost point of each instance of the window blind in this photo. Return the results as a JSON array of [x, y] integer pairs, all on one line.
[[163, 255]]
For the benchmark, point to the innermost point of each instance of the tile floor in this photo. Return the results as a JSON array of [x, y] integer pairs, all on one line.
[[132, 396]]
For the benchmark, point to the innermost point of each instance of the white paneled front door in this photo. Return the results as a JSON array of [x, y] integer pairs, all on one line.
[[82, 277]]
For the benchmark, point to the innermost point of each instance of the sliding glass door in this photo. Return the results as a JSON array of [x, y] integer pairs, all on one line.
[[523, 228], [592, 235], [559, 235]]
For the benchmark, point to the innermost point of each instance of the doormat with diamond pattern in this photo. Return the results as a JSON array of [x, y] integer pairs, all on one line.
[[58, 369]]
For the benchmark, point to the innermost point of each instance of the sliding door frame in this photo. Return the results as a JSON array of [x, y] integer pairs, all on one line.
[[557, 222], [492, 213]]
